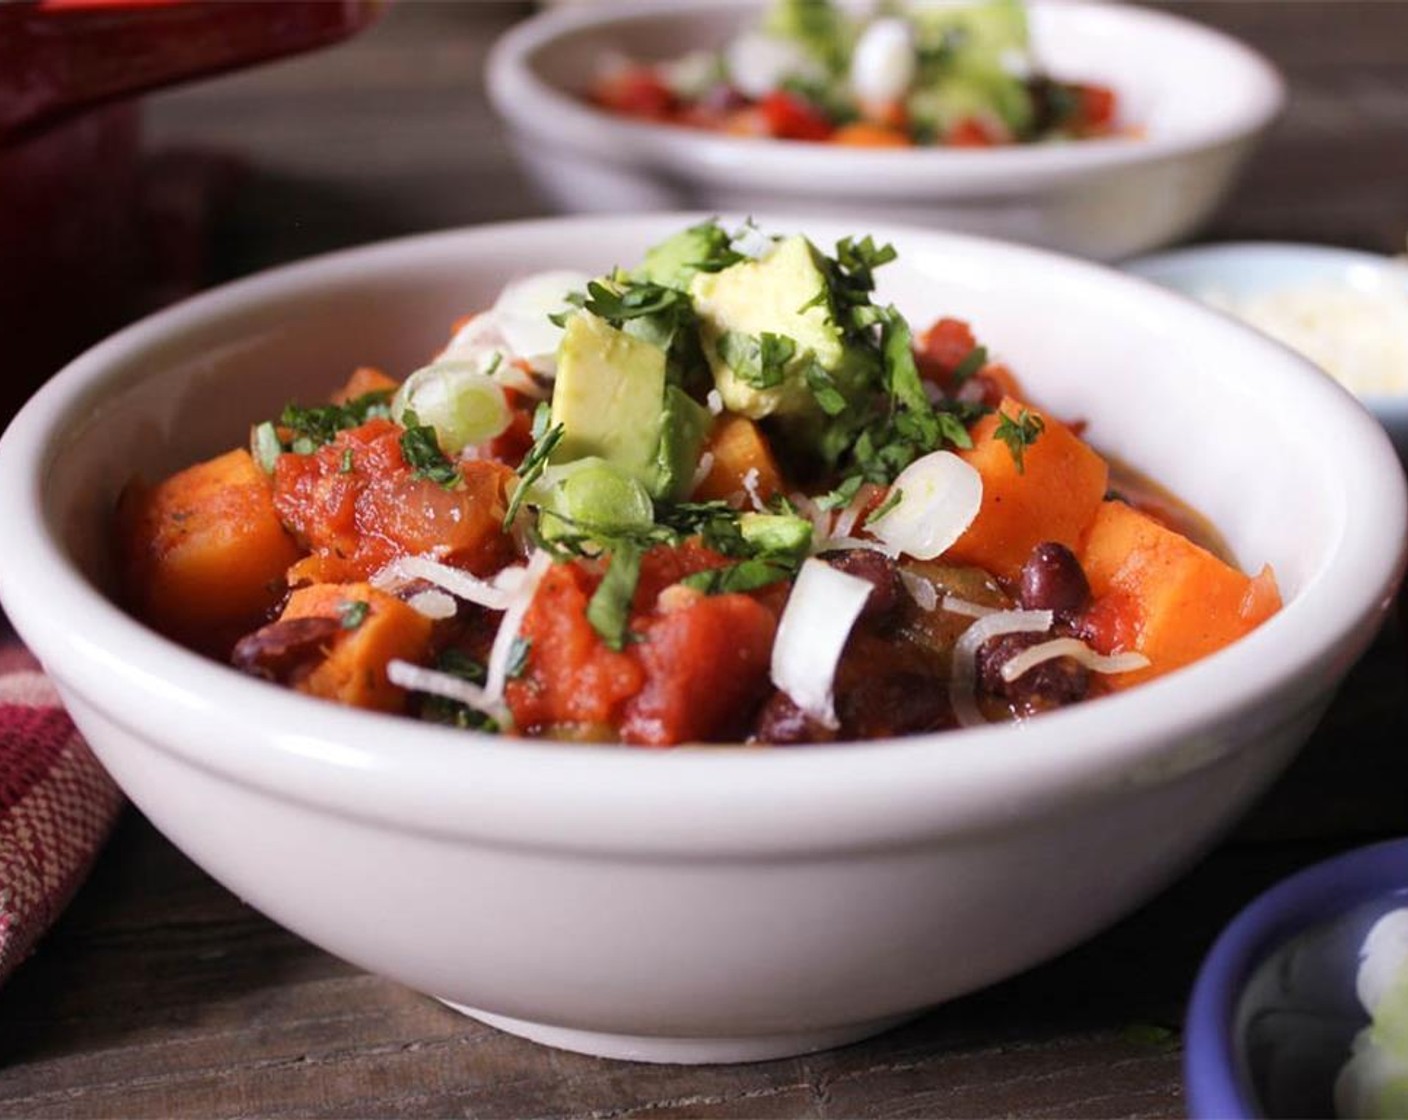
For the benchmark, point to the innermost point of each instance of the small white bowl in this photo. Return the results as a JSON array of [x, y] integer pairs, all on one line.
[[702, 904], [1201, 99], [1238, 271]]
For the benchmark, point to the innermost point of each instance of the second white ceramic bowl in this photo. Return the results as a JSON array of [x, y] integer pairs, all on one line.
[[1199, 99], [702, 904]]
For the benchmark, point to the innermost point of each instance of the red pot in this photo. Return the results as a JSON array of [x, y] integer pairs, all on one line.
[[71, 253]]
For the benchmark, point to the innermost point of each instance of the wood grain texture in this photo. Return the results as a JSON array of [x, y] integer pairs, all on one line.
[[160, 994]]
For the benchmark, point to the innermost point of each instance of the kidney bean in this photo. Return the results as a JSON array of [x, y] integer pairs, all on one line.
[[1052, 580], [285, 651], [1052, 684], [899, 703], [882, 573], [782, 723]]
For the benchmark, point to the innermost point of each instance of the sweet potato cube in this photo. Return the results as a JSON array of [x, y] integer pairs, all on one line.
[[375, 629], [204, 552], [738, 447], [364, 380], [1051, 496], [1157, 593]]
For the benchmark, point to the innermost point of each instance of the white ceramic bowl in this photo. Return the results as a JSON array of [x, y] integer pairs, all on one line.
[[1244, 270], [702, 904], [1202, 99]]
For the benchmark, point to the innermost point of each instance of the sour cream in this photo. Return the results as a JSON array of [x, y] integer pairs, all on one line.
[[1357, 335]]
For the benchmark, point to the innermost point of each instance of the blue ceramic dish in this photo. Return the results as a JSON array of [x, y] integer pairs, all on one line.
[[1274, 1010]]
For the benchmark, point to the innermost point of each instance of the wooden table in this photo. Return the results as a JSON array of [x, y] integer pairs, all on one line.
[[160, 994]]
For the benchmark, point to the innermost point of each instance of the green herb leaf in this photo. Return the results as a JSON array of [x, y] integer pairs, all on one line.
[[421, 450], [746, 575], [353, 612], [443, 710], [823, 387], [972, 362], [310, 428], [545, 440], [842, 495], [760, 362], [892, 499], [609, 611], [347, 462], [1019, 433], [634, 300]]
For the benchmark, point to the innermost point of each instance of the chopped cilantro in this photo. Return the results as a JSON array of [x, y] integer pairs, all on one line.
[[823, 387], [310, 428], [459, 664], [1019, 433], [972, 362], [545, 440], [892, 499], [441, 709], [347, 462], [636, 299], [746, 575], [352, 613], [760, 362], [609, 610], [421, 450]]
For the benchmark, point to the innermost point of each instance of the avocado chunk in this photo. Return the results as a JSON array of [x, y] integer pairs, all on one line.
[[777, 534], [613, 402], [975, 36], [678, 259], [783, 295]]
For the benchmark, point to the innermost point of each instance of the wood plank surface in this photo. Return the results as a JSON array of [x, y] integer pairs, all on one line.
[[160, 994]]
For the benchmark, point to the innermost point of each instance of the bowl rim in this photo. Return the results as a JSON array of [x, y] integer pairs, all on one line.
[[804, 799], [541, 110], [1212, 1072]]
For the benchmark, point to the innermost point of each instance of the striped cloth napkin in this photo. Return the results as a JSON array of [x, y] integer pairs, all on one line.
[[57, 805]]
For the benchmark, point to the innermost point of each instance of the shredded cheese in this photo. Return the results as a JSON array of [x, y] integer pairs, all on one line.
[[750, 484], [522, 585], [433, 604], [406, 569], [815, 625], [920, 590], [954, 605], [701, 472], [416, 678], [1028, 659], [963, 681]]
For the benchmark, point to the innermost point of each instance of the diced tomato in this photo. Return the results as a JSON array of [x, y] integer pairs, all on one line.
[[970, 133], [694, 670], [358, 504], [572, 676], [512, 444], [1097, 108], [706, 671], [790, 117], [943, 348], [662, 566], [636, 91]]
